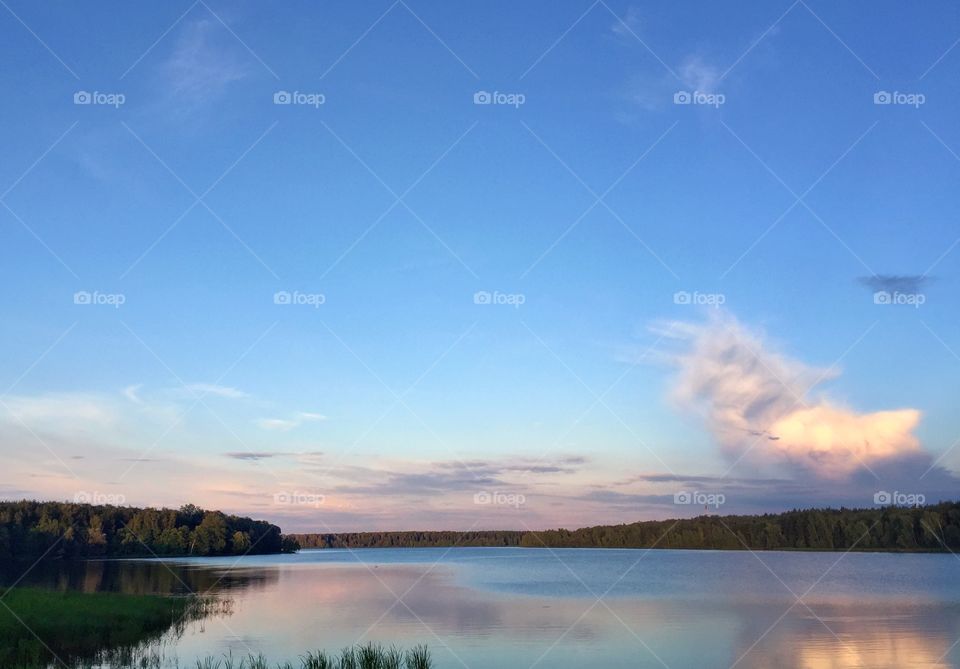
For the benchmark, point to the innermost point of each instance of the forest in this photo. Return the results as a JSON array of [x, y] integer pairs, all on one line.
[[409, 539], [928, 528], [31, 530]]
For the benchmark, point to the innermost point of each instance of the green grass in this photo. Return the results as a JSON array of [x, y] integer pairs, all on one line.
[[370, 656], [38, 625], [40, 628]]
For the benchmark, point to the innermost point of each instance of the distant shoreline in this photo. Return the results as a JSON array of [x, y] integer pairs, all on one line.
[[933, 528]]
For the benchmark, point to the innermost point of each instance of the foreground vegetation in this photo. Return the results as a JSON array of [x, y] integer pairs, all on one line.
[[934, 527], [369, 656], [30, 530], [39, 626]]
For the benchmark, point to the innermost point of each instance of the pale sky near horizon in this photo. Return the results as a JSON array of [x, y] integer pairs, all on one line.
[[402, 265]]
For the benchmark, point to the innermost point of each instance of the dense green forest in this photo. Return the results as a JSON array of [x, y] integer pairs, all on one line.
[[409, 539], [928, 528], [30, 530]]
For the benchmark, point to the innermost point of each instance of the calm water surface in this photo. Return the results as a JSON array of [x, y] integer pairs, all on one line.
[[486, 608]]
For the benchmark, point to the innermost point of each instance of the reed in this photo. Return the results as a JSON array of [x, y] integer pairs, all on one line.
[[368, 656]]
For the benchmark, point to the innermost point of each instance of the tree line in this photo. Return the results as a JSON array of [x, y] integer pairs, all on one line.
[[30, 530], [933, 527], [409, 539]]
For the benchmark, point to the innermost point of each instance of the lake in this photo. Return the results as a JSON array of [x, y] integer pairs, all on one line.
[[500, 608]]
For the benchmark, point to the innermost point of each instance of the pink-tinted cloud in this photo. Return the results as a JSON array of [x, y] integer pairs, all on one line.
[[757, 402]]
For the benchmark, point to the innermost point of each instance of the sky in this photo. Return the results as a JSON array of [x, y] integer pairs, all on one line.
[[424, 265]]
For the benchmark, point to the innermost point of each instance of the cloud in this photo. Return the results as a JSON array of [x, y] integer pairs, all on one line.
[[699, 75], [59, 410], [284, 424], [253, 455], [263, 455], [130, 392], [629, 25], [756, 402], [908, 284], [213, 389], [204, 62]]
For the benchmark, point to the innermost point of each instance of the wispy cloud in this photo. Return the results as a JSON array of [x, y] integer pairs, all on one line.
[[284, 424], [60, 410], [699, 75], [130, 392], [227, 392], [757, 404], [629, 25], [204, 62]]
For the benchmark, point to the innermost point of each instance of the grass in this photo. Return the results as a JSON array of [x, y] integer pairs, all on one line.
[[369, 656], [43, 628], [37, 626]]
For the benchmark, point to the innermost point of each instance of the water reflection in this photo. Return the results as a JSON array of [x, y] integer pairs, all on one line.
[[732, 615], [138, 577]]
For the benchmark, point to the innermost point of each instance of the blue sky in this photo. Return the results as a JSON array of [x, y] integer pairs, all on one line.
[[784, 191]]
